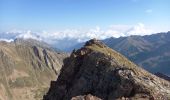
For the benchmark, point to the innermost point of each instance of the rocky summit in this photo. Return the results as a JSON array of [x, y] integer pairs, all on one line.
[[27, 68], [97, 72]]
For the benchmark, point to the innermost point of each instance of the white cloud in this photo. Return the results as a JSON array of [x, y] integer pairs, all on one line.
[[139, 29], [80, 35], [7, 40], [28, 34], [113, 33]]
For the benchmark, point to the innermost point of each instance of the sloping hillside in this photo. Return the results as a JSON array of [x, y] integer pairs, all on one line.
[[27, 68], [151, 52], [96, 71]]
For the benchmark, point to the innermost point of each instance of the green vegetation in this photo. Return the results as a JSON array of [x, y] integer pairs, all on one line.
[[21, 82]]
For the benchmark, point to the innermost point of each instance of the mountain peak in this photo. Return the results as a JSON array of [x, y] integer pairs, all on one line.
[[98, 70], [33, 42], [92, 41]]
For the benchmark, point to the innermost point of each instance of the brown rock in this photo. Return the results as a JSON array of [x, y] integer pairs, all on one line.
[[26, 69], [86, 97], [98, 70]]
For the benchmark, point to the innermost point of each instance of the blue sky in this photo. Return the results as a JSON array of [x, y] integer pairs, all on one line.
[[81, 20], [63, 14]]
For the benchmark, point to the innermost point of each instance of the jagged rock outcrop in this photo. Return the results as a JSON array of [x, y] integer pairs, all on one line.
[[104, 73], [26, 69]]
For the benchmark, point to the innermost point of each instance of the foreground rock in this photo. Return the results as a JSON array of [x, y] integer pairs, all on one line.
[[86, 97], [104, 73]]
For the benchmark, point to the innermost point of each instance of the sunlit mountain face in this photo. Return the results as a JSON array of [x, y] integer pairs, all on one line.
[[27, 67], [151, 52]]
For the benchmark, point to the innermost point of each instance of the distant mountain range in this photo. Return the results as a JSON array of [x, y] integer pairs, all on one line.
[[152, 52], [28, 66], [26, 69]]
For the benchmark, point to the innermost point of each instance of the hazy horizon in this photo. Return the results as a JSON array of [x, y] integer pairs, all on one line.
[[82, 19]]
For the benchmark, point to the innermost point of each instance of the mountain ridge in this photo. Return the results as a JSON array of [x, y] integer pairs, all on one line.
[[149, 51], [27, 67], [98, 70]]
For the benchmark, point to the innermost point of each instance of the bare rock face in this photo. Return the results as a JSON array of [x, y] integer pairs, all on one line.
[[26, 69], [104, 73], [86, 97]]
